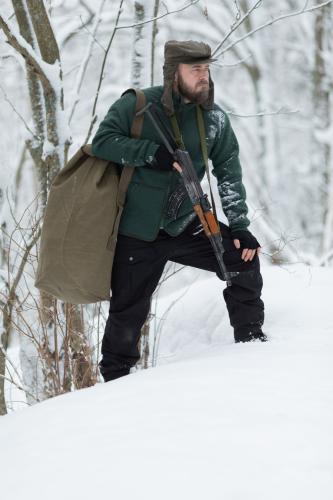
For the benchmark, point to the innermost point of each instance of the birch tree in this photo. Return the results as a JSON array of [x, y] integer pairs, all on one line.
[[48, 145], [140, 64], [322, 140]]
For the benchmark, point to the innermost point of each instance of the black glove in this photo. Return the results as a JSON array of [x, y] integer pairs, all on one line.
[[246, 239], [163, 160]]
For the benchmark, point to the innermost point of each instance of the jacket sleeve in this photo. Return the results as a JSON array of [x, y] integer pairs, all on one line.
[[113, 141], [228, 171]]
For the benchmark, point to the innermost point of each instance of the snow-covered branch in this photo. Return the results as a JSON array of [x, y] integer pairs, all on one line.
[[262, 26], [280, 111], [44, 70]]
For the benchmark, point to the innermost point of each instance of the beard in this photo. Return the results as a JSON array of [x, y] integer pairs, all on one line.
[[198, 95]]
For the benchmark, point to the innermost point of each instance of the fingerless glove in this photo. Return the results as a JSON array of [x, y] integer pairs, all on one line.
[[163, 160], [246, 239]]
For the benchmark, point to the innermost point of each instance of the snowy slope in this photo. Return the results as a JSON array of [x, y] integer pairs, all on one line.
[[229, 422]]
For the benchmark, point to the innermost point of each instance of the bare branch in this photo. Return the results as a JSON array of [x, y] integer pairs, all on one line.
[[92, 34], [12, 381], [84, 64], [269, 23], [156, 18], [231, 65], [19, 115], [115, 29], [5, 355], [24, 259], [93, 115], [236, 25]]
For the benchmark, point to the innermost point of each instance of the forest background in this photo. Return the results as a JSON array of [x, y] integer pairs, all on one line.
[[63, 63]]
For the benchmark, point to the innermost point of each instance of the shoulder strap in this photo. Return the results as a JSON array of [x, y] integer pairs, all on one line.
[[136, 128], [177, 132], [127, 172]]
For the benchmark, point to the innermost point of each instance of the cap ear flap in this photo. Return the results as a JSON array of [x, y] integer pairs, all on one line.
[[210, 101], [169, 71]]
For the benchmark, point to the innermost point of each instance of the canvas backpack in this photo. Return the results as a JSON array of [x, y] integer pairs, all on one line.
[[80, 225]]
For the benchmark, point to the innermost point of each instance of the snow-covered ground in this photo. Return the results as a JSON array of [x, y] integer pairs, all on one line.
[[213, 420]]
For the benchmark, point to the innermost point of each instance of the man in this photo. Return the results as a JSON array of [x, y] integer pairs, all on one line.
[[150, 232]]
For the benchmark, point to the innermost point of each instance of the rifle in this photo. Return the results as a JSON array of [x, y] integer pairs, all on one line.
[[199, 200]]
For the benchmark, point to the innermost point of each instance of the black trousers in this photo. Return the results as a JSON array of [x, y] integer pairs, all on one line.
[[137, 269]]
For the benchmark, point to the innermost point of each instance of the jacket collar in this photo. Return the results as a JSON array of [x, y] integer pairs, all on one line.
[[179, 102]]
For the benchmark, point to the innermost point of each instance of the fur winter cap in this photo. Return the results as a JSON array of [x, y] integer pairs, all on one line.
[[188, 52]]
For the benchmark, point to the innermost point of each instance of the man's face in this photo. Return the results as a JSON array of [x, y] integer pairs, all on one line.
[[192, 82]]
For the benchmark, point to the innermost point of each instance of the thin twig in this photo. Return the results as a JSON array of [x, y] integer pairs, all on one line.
[[115, 29], [19, 115], [156, 18], [236, 25], [84, 64], [269, 23], [11, 381], [93, 113], [231, 65]]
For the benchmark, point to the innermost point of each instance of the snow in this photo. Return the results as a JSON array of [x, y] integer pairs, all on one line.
[[216, 124], [223, 421]]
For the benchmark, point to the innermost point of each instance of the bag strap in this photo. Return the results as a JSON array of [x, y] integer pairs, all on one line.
[[136, 129], [127, 172]]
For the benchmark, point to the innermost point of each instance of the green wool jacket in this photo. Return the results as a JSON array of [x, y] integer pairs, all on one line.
[[149, 189]]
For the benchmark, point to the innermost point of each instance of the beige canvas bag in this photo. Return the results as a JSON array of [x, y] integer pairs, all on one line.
[[80, 225]]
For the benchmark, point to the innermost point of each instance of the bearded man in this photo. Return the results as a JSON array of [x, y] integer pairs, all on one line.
[[151, 231]]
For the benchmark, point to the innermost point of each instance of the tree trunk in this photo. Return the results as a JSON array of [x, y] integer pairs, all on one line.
[[139, 65], [138, 48], [323, 114], [320, 150], [153, 42], [48, 148]]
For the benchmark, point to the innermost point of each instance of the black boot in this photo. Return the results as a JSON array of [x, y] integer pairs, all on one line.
[[249, 334], [111, 374]]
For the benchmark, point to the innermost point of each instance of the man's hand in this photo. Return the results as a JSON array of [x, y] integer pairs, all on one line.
[[177, 167], [245, 240], [163, 160]]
